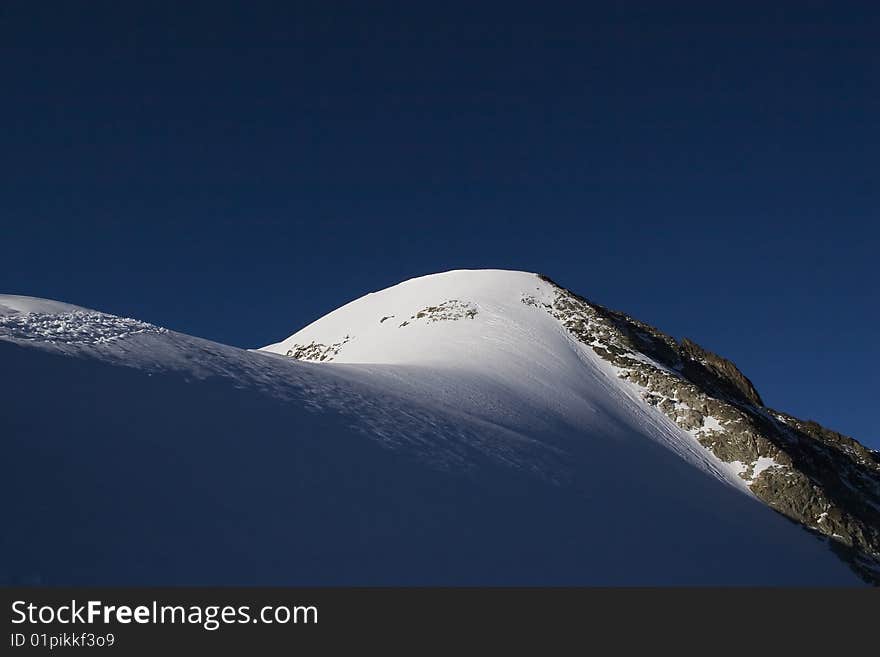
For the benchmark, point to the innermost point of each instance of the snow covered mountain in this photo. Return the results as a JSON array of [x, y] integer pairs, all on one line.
[[471, 427]]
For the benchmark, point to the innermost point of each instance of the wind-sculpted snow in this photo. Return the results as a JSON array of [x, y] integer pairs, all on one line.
[[76, 327], [12, 304]]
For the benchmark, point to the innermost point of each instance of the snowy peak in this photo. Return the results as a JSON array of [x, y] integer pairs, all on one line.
[[484, 371], [527, 334], [453, 317]]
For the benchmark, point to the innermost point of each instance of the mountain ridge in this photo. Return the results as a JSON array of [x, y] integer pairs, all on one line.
[[836, 487], [493, 372], [825, 481]]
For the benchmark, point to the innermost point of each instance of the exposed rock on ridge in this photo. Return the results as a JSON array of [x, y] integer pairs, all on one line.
[[724, 371], [823, 480]]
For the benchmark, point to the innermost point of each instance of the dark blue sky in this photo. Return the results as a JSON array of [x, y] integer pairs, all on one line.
[[236, 171]]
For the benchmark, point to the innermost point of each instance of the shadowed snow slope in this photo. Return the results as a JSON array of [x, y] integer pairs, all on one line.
[[453, 433]]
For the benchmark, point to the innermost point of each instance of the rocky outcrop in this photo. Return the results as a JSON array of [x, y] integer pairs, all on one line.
[[825, 481], [317, 352], [447, 311], [722, 370]]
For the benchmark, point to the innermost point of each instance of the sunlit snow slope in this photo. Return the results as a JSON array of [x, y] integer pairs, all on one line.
[[453, 434], [466, 341]]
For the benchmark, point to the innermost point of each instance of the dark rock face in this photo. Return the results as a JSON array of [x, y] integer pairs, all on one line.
[[823, 480], [703, 363]]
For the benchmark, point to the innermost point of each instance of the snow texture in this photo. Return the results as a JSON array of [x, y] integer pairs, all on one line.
[[476, 444]]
